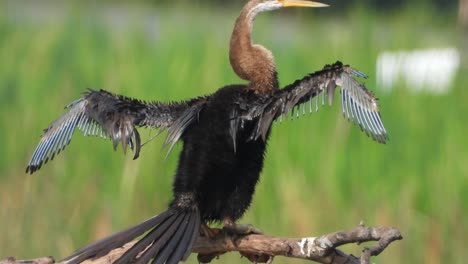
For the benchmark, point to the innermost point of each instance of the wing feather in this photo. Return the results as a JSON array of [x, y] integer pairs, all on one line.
[[102, 114], [358, 104]]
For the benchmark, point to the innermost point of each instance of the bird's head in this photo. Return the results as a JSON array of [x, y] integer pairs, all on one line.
[[254, 62], [268, 5]]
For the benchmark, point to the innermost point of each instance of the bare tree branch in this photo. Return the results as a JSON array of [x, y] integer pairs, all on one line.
[[262, 248], [45, 260]]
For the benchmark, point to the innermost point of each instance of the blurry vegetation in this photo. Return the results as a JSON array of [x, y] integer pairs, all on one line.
[[321, 173], [383, 5]]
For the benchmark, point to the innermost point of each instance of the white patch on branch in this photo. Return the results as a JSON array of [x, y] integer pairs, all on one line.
[[307, 243], [316, 246]]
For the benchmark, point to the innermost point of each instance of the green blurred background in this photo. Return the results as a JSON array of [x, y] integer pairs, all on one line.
[[321, 174]]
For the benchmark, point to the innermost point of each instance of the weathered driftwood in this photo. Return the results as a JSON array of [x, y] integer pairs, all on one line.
[[262, 248]]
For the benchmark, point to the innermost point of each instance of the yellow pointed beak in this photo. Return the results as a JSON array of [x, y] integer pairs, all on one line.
[[301, 3]]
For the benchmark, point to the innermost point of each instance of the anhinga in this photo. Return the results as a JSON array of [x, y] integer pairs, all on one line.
[[224, 139]]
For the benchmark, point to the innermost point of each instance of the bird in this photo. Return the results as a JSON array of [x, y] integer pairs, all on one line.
[[224, 137]]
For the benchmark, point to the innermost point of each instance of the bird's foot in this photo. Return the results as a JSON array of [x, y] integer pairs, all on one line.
[[257, 258], [207, 258], [209, 232], [240, 229]]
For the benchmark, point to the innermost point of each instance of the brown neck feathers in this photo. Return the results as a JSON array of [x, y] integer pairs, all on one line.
[[251, 62]]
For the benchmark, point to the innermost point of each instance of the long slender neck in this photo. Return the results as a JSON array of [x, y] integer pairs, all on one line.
[[251, 62]]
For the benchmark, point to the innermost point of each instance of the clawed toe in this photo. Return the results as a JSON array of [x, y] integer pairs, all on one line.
[[209, 232], [240, 229], [257, 258]]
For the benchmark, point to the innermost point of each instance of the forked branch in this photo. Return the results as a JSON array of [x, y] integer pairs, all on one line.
[[262, 248]]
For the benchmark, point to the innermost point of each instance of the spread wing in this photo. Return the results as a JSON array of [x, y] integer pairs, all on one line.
[[358, 104], [103, 114]]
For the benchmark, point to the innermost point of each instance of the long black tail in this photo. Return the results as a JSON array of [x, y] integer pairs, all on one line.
[[170, 237]]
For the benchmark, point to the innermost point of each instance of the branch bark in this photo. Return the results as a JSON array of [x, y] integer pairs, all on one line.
[[262, 248]]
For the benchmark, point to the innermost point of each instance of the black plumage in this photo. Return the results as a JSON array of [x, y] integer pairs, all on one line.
[[224, 139], [221, 171]]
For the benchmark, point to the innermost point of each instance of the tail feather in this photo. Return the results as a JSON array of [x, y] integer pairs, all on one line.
[[102, 247], [175, 250], [169, 240], [143, 243], [155, 249], [185, 245], [172, 244]]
